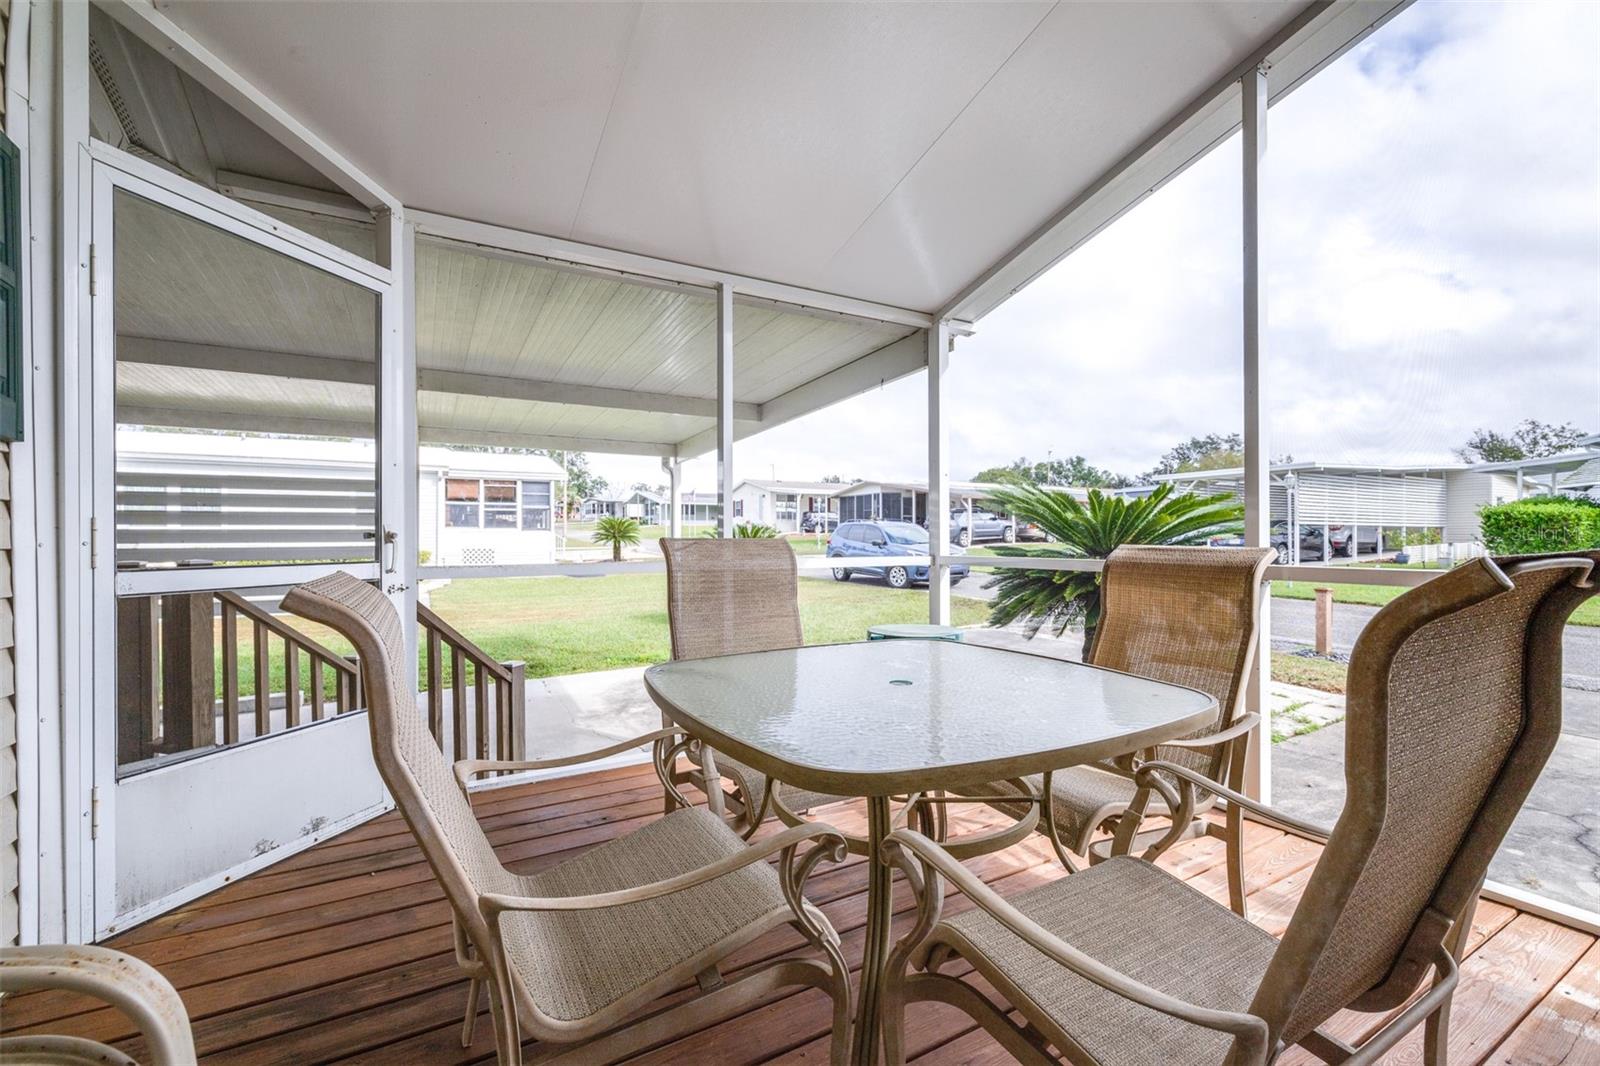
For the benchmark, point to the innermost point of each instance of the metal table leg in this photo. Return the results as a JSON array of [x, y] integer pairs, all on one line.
[[880, 913]]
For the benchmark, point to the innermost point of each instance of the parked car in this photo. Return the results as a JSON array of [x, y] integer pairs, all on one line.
[[812, 521], [1031, 531], [853, 540], [1366, 539], [1310, 542], [986, 525]]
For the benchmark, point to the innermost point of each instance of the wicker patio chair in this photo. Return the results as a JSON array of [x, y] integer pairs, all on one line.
[[573, 952], [1183, 615], [726, 596], [130, 985], [1454, 705]]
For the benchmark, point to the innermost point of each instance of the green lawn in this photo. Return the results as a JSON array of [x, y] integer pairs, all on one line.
[[571, 625], [567, 625]]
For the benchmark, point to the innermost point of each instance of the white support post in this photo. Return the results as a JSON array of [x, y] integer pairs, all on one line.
[[938, 476], [397, 427], [1257, 448], [674, 469], [725, 406]]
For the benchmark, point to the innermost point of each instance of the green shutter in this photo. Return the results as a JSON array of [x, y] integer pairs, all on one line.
[[11, 376]]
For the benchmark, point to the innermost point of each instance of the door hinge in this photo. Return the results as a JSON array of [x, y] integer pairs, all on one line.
[[94, 813], [94, 283], [94, 542]]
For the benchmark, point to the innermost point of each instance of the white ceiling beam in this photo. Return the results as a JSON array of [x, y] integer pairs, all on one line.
[[256, 190], [192, 356], [465, 384], [649, 267], [1323, 31], [892, 362], [141, 18], [158, 417]]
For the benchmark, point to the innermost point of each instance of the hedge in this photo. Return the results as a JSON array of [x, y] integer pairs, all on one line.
[[1545, 524]]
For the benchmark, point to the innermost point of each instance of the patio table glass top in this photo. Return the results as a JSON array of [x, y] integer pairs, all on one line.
[[887, 716]]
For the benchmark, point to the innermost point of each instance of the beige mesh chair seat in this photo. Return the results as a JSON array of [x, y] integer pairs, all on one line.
[[574, 965], [750, 787], [1453, 708], [1187, 616], [1141, 921], [1082, 799], [576, 952]]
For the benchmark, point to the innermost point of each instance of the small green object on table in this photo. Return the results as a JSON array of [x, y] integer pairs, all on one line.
[[910, 631]]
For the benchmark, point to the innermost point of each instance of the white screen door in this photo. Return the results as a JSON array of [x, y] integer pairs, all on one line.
[[237, 451]]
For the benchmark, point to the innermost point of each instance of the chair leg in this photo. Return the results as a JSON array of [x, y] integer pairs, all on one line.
[[1235, 859], [507, 1030], [473, 988], [1436, 1036]]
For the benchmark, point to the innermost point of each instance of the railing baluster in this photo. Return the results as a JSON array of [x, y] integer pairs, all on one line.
[[354, 679], [480, 696], [319, 699], [458, 703], [230, 673], [435, 686], [263, 666], [517, 712], [291, 682]]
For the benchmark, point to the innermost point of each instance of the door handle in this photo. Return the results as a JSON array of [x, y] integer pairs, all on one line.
[[390, 538]]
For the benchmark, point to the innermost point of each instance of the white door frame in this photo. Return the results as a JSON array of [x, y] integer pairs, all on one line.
[[113, 170]]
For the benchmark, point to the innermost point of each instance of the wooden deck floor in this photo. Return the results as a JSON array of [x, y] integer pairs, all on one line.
[[342, 953]]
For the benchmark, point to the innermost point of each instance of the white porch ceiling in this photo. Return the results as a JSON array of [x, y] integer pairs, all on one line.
[[890, 152]]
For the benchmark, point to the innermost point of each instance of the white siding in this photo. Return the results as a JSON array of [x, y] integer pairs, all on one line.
[[9, 859], [1467, 491]]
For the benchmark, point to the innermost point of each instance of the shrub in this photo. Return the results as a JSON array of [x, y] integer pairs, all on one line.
[[1543, 524]]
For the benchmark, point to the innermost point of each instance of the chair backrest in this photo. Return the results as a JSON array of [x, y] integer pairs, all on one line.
[[1453, 705], [409, 759], [727, 595], [1187, 616]]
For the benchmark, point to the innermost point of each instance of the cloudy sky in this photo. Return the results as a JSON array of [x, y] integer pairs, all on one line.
[[1433, 265]]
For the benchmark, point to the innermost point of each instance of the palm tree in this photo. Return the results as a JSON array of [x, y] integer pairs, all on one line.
[[1093, 530], [617, 532]]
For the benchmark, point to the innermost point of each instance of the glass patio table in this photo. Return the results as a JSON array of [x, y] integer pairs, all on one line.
[[888, 717]]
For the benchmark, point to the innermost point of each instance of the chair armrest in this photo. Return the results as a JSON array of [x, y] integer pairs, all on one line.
[[1249, 1030], [1146, 777], [130, 985], [467, 769], [493, 904], [1242, 726]]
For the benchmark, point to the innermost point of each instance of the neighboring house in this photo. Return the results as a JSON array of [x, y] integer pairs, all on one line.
[[642, 504], [781, 504], [697, 508], [488, 508], [229, 498], [907, 501]]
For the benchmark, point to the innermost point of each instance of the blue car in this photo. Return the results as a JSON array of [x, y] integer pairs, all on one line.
[[855, 539]]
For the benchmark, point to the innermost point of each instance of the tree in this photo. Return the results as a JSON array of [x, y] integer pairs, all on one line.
[[1531, 439], [1215, 451], [833, 479], [582, 482], [617, 532], [1092, 531], [1076, 471]]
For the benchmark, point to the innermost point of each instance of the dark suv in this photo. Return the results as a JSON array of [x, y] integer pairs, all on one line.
[[815, 520], [854, 540]]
